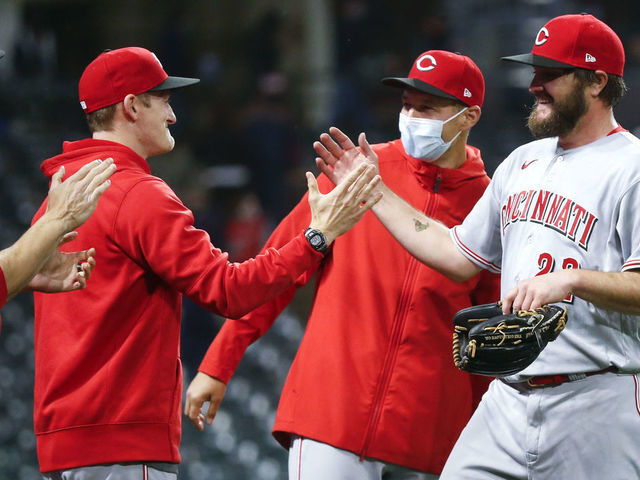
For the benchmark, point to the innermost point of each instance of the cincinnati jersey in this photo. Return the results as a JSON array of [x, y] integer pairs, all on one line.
[[547, 209]]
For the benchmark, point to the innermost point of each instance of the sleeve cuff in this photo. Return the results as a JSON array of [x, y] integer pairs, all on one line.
[[3, 289]]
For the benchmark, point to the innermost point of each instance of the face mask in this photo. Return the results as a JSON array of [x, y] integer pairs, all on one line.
[[422, 137]]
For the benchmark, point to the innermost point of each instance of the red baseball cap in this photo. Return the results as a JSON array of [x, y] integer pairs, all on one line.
[[571, 41], [444, 74], [114, 74]]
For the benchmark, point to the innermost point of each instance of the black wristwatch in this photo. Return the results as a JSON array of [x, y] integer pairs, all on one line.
[[316, 239]]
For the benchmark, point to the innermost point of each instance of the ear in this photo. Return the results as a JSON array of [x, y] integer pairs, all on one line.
[[470, 117], [130, 106], [601, 81]]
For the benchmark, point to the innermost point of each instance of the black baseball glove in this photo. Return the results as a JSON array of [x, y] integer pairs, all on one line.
[[487, 342]]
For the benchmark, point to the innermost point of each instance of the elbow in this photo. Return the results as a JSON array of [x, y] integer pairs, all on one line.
[[457, 276], [236, 314], [461, 272]]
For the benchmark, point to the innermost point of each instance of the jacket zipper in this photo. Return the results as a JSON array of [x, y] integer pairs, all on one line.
[[394, 343], [436, 186]]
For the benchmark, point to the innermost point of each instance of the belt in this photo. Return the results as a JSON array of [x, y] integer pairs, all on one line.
[[553, 380]]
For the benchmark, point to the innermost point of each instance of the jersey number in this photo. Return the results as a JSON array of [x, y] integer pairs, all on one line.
[[547, 264]]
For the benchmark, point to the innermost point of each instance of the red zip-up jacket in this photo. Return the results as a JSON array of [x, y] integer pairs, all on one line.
[[374, 373], [108, 381]]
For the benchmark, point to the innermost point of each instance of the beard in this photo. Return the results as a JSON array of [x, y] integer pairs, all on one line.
[[564, 116]]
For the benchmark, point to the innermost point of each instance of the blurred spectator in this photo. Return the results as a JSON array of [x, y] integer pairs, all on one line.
[[270, 138], [35, 53], [245, 231]]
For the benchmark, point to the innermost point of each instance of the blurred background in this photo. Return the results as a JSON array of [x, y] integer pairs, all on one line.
[[275, 74]]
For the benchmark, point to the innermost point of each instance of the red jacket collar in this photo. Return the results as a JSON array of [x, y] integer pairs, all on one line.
[[447, 177], [76, 154]]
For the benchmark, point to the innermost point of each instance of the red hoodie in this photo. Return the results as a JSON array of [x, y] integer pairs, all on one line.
[[108, 381], [374, 373]]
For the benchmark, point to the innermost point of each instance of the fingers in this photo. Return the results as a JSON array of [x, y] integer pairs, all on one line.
[[92, 177], [507, 302], [200, 422], [211, 411], [326, 156], [192, 409], [88, 169], [327, 170], [97, 193], [333, 148], [522, 297], [84, 262], [343, 139], [82, 173], [87, 267], [99, 180], [369, 196], [79, 280], [358, 178]]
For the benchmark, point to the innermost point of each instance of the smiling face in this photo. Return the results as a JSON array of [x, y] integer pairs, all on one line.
[[560, 102]]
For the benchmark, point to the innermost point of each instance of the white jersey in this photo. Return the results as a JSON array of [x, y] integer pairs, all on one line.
[[546, 209]]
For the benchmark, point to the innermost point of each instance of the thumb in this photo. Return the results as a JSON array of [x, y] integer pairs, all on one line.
[[364, 144], [312, 184], [68, 237], [57, 177]]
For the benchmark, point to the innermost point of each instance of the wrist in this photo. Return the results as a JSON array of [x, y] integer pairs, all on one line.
[[52, 221], [317, 239]]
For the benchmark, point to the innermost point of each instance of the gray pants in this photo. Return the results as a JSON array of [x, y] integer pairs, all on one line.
[[587, 429], [312, 460], [111, 472]]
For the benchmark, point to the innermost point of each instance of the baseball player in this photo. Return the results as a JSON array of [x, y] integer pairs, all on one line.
[[34, 262], [372, 392], [560, 222], [108, 383]]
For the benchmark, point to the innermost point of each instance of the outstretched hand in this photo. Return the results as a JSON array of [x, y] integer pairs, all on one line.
[[64, 272], [339, 210], [337, 161], [75, 199]]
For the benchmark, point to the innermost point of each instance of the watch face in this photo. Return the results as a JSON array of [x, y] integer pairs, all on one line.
[[316, 239]]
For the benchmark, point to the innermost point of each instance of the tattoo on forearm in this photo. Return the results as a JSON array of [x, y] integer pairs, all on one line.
[[419, 225]]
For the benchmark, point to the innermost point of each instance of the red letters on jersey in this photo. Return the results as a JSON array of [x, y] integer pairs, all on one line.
[[551, 210]]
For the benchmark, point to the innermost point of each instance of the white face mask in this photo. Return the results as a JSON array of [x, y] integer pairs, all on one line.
[[422, 137]]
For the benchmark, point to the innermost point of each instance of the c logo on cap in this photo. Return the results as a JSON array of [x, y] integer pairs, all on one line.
[[541, 41], [432, 62]]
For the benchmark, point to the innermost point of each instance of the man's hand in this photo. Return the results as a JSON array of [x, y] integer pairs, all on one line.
[[339, 210], [337, 161], [203, 388], [540, 290], [64, 272], [74, 200]]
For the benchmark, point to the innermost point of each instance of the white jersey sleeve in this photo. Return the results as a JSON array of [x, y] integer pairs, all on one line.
[[478, 237], [628, 228]]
